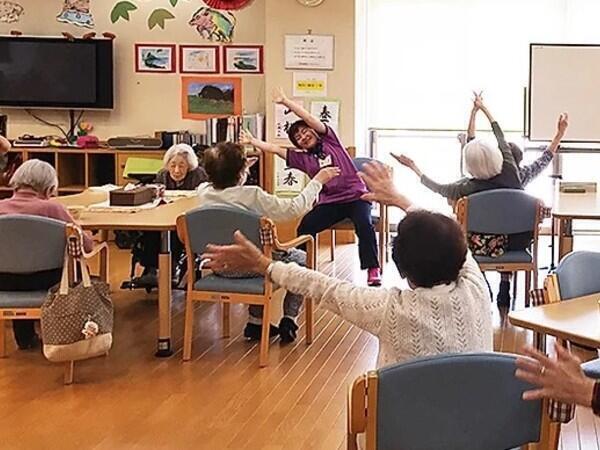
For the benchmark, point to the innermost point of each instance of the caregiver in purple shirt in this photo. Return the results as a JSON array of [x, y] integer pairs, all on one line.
[[319, 147]]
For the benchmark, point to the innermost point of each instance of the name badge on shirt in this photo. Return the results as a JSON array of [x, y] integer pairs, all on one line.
[[325, 162]]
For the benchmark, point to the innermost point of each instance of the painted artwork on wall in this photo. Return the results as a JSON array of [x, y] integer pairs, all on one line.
[[204, 97], [76, 12], [155, 58], [199, 59], [243, 59], [213, 25], [328, 112], [10, 12]]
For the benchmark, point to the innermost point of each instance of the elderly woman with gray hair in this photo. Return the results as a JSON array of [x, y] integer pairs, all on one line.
[[34, 184], [181, 171]]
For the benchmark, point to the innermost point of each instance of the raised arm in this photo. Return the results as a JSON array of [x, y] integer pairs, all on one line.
[[246, 138], [473, 116], [312, 121], [561, 129], [365, 307]]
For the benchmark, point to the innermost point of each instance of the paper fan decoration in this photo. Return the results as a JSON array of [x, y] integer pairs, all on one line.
[[228, 4]]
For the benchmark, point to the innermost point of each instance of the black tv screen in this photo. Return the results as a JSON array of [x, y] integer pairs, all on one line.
[[56, 73]]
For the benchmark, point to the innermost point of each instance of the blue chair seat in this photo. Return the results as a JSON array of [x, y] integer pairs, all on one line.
[[518, 256], [26, 299], [592, 368], [235, 285]]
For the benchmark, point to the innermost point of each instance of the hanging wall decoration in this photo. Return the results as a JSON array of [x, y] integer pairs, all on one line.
[[216, 26], [155, 58], [76, 12], [328, 111], [205, 97], [199, 59], [158, 17], [121, 10], [228, 4], [10, 12], [243, 59]]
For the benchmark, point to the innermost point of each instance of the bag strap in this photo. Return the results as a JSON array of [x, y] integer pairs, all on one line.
[[64, 279], [74, 252]]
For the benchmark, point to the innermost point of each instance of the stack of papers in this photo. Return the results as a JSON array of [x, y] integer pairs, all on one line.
[[105, 207]]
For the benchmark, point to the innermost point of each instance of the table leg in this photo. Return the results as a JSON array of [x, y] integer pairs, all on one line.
[[164, 296], [565, 237]]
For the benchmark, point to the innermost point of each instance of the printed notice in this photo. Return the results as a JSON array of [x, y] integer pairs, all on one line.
[[310, 84], [309, 51]]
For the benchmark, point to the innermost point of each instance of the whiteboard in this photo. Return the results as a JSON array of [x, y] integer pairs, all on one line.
[[564, 77]]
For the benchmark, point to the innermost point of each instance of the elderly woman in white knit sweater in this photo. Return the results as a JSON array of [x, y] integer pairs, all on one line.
[[446, 310]]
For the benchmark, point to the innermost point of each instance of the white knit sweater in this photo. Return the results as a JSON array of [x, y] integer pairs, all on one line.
[[426, 321]]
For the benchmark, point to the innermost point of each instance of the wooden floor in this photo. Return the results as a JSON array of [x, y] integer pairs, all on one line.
[[220, 399]]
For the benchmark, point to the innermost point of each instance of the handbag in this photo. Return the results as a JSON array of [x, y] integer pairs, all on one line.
[[77, 321]]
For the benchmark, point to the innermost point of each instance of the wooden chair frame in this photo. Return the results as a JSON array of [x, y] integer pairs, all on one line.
[[226, 298], [8, 314], [530, 269]]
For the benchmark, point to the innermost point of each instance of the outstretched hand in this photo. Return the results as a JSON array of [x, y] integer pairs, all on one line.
[[279, 96], [407, 162], [477, 100], [246, 137], [380, 182], [242, 256], [563, 123], [561, 378]]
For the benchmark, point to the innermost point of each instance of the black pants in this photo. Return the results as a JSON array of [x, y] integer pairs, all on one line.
[[151, 249], [323, 217], [40, 281]]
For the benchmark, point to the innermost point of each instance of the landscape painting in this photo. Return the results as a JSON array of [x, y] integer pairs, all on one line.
[[243, 59], [154, 58], [204, 97]]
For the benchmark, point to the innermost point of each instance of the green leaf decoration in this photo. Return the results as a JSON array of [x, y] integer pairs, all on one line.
[[158, 17], [173, 2], [121, 11]]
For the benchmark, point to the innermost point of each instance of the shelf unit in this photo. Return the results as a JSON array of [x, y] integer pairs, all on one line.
[[78, 169]]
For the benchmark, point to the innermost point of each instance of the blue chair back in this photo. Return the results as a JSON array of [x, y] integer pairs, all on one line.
[[216, 225], [361, 161], [455, 402], [31, 244], [502, 211], [578, 274]]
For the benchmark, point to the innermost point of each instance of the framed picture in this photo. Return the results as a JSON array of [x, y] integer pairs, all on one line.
[[243, 59], [206, 97], [155, 58], [199, 59]]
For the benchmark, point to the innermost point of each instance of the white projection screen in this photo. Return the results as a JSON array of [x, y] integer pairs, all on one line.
[[564, 78]]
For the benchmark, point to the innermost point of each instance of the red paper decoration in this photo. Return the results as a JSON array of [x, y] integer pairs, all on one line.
[[227, 4]]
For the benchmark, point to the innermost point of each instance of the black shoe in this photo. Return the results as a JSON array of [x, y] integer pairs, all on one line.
[[253, 332], [503, 297], [288, 330], [149, 278]]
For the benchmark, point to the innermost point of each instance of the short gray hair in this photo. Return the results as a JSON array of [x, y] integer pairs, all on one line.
[[181, 150], [35, 174], [482, 160]]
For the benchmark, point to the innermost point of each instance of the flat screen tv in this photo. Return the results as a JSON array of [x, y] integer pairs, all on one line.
[[56, 73]]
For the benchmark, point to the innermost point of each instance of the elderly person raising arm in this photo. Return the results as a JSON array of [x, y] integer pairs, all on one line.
[[35, 183], [446, 309]]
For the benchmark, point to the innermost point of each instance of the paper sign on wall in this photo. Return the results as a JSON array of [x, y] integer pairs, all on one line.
[[288, 182], [284, 118], [328, 111], [309, 52], [310, 84]]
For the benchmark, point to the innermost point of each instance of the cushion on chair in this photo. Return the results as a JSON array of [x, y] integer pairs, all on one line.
[[516, 256], [234, 285], [455, 402], [592, 368], [22, 299]]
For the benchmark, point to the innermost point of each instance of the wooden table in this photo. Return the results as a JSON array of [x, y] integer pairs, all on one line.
[[569, 207], [162, 219], [576, 320]]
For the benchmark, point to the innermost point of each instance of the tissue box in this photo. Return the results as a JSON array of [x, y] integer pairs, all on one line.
[[131, 197]]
